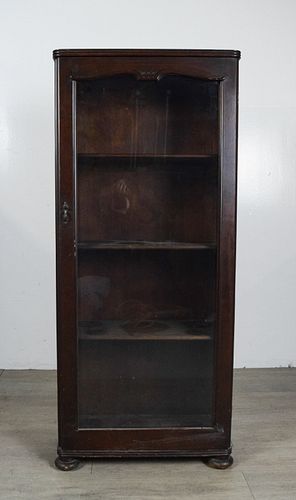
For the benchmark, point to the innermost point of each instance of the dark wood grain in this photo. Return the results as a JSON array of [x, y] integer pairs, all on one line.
[[151, 220]]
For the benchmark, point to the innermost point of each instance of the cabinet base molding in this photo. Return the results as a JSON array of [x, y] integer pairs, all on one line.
[[76, 459], [67, 464]]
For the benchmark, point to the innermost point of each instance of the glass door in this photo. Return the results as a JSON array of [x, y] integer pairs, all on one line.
[[147, 199]]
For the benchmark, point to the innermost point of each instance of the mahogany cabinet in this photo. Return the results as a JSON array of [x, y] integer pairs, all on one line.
[[146, 146]]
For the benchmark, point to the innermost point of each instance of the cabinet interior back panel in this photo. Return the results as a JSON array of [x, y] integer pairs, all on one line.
[[120, 115]]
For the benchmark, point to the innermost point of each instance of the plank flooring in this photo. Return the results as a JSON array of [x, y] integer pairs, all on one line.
[[264, 448]]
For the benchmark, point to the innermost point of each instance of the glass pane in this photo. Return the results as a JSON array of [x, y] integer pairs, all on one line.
[[147, 201]]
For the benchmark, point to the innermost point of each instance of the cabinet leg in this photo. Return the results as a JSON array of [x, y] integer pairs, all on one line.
[[219, 462], [67, 463]]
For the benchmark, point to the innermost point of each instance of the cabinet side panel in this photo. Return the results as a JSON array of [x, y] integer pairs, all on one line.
[[227, 248]]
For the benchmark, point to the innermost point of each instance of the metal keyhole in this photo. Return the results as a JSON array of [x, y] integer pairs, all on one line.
[[65, 213]]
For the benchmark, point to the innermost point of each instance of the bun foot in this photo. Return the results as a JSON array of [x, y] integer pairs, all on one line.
[[67, 463], [219, 462]]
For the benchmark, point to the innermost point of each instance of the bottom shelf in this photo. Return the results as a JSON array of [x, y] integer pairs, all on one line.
[[146, 330], [145, 421]]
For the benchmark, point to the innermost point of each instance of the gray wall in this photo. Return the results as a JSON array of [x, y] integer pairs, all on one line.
[[265, 33]]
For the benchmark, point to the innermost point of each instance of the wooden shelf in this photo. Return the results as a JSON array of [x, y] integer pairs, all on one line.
[[144, 330], [135, 156], [204, 421], [147, 159], [143, 245]]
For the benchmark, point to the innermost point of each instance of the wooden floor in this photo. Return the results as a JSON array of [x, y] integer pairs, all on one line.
[[264, 448]]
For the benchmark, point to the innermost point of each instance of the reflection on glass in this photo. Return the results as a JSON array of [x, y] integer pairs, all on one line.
[[147, 184]]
